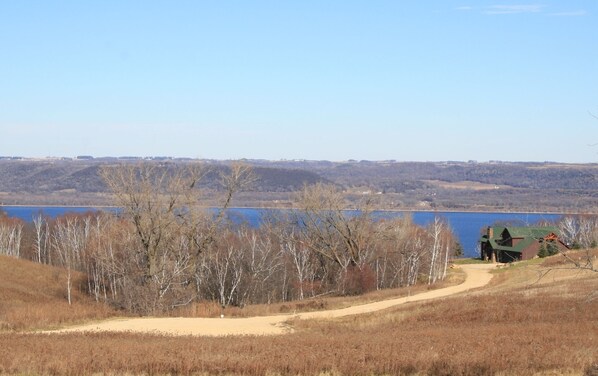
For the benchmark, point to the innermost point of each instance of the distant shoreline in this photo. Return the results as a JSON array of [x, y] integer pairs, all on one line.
[[279, 208]]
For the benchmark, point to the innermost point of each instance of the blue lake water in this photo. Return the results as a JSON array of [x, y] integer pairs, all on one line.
[[467, 226]]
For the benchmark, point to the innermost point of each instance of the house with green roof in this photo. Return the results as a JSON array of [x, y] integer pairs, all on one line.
[[507, 244]]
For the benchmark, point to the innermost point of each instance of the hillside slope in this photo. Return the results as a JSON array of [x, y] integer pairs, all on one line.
[[461, 186], [518, 325], [33, 296]]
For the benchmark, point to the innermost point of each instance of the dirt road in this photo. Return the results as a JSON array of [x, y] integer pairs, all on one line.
[[477, 276]]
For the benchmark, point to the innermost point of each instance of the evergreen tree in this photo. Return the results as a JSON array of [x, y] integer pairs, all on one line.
[[552, 249]]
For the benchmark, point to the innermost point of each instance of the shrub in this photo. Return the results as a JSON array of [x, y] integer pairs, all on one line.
[[360, 280]]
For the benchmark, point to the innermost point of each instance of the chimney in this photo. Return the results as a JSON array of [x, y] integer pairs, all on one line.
[[490, 232]]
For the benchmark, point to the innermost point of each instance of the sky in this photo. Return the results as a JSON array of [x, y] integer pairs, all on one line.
[[304, 79]]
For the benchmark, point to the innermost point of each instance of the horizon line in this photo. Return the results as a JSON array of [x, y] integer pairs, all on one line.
[[133, 158]]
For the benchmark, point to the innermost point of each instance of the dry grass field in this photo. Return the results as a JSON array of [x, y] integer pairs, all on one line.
[[520, 325], [33, 296]]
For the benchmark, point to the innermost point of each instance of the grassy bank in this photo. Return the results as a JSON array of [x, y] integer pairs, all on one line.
[[519, 326]]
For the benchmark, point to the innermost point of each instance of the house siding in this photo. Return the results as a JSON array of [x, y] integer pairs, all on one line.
[[531, 251]]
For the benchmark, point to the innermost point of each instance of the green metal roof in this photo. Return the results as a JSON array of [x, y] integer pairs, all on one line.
[[519, 247], [528, 234], [497, 231], [534, 232]]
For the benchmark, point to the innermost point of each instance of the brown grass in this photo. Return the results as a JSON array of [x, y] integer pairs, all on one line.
[[576, 255], [540, 271], [33, 296], [541, 328]]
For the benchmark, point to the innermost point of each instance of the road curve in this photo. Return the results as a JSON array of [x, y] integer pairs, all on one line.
[[477, 276]]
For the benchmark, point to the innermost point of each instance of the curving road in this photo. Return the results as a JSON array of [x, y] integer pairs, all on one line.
[[477, 276]]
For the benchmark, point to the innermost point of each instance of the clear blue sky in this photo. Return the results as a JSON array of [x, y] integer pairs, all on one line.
[[303, 79]]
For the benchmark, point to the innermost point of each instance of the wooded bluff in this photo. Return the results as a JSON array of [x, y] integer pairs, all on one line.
[[463, 186]]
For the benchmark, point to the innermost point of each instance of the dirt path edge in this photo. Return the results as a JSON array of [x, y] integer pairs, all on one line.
[[477, 275]]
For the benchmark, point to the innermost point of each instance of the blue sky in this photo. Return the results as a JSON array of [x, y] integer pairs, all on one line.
[[304, 79]]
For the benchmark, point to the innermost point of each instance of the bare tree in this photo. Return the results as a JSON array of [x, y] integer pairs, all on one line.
[[115, 266], [202, 229], [153, 197], [41, 241], [440, 249], [415, 248], [224, 271], [161, 203], [341, 237], [580, 232], [10, 237], [299, 258], [262, 260], [569, 230], [391, 255], [69, 240], [303, 266]]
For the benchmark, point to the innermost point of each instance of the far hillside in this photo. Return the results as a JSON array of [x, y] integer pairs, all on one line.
[[457, 186]]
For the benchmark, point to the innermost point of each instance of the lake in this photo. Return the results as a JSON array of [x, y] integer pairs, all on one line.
[[466, 225]]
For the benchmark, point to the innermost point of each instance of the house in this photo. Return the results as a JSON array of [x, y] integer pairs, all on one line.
[[506, 244]]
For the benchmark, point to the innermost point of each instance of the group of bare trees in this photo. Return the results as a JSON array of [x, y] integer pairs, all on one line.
[[580, 232], [161, 250], [170, 233], [10, 236]]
